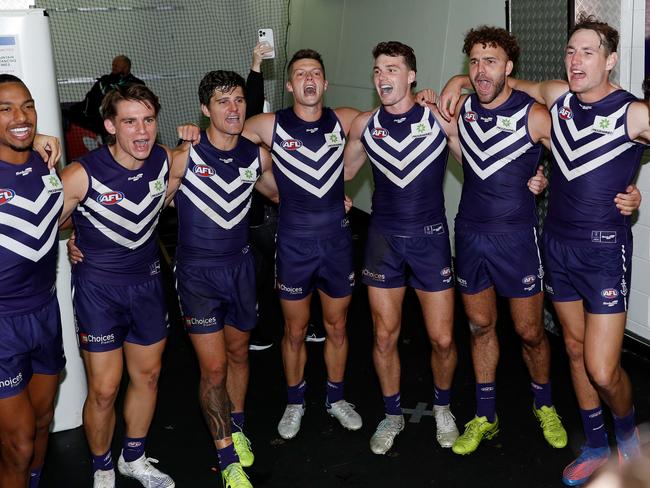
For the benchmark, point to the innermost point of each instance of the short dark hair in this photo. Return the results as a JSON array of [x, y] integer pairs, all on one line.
[[305, 54], [7, 78], [224, 81], [608, 35], [394, 49], [129, 92], [126, 60], [493, 37]]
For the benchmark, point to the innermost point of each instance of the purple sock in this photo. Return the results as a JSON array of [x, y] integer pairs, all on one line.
[[392, 404], [103, 461], [625, 426], [486, 400], [296, 393], [227, 456], [441, 397], [236, 422], [594, 426], [542, 394], [334, 392], [35, 477], [133, 448]]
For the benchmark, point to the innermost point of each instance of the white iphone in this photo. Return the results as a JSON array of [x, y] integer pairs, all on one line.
[[266, 36]]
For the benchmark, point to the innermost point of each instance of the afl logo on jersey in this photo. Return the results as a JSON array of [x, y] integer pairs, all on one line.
[[609, 293], [565, 113], [291, 144], [110, 197], [203, 170], [379, 133], [5, 195], [470, 116]]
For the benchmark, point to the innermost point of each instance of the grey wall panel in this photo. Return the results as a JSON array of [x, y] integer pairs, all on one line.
[[541, 29]]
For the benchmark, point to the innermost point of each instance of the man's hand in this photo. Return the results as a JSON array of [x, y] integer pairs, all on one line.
[[538, 183], [49, 148], [347, 202], [189, 132], [260, 49], [425, 96], [450, 95], [74, 253], [629, 201]]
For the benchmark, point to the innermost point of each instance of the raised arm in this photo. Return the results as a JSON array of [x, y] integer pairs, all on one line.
[[355, 154], [346, 115], [544, 92], [178, 159], [266, 182], [259, 129], [75, 187]]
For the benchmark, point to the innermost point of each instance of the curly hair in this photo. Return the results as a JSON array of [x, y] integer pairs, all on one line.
[[608, 35], [493, 37]]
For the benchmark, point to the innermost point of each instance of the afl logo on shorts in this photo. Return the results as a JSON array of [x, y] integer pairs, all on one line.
[[609, 293], [379, 133], [291, 144], [470, 116], [528, 280], [110, 197], [6, 195], [203, 170], [565, 113], [445, 272]]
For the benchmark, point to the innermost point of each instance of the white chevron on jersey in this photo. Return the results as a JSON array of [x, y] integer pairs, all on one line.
[[117, 238], [305, 151], [133, 226], [225, 186], [29, 205], [497, 165], [227, 206], [214, 216], [27, 252], [493, 131], [125, 203], [402, 182], [305, 168], [565, 151], [398, 162], [577, 134], [305, 185], [401, 145], [35, 231]]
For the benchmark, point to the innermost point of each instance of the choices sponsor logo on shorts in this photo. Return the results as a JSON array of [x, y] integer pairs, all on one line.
[[461, 281], [12, 382], [373, 276], [6, 195], [548, 288], [85, 338], [196, 322], [289, 289]]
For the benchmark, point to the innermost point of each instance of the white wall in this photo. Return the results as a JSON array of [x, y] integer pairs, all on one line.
[[344, 32], [631, 72]]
